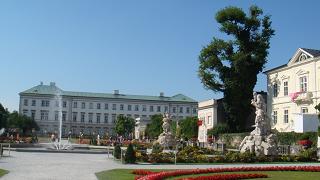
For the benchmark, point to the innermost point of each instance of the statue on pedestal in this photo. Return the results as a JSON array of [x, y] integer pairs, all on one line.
[[260, 141], [166, 138]]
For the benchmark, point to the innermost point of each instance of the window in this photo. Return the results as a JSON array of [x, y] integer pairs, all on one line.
[[90, 117], [44, 115], [304, 110], [75, 105], [158, 108], [144, 108], [82, 116], [83, 105], [286, 116], [303, 84], [57, 104], [90, 105], [25, 112], [136, 116], [106, 116], [129, 107], [45, 103], [33, 114], [33, 103], [194, 110], [25, 102], [181, 110], [64, 115], [64, 104], [209, 120], [98, 118], [188, 110], [129, 115], [74, 116], [113, 118], [285, 88], [121, 107], [174, 109], [114, 107], [56, 115], [275, 90], [136, 107], [98, 106], [151, 109], [166, 109], [275, 117], [106, 106]]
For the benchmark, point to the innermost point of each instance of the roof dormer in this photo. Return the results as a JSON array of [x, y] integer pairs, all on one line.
[[303, 54]]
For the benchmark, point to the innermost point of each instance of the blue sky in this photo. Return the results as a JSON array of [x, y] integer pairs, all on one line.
[[138, 47]]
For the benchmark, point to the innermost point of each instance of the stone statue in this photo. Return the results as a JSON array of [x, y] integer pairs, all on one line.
[[260, 141], [166, 138]]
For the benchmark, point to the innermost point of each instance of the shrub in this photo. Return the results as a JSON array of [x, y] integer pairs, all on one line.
[[307, 155], [289, 138], [157, 148], [130, 156], [161, 157], [117, 151]]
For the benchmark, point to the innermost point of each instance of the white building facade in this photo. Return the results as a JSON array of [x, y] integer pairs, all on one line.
[[208, 116], [96, 112], [294, 91]]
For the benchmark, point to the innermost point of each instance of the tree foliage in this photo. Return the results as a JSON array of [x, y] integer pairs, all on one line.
[[154, 129], [124, 126], [231, 66], [189, 127], [24, 123], [3, 117]]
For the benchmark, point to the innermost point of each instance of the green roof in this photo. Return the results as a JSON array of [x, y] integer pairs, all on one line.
[[52, 90]]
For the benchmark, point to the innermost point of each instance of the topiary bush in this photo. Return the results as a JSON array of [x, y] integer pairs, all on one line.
[[117, 151], [130, 156]]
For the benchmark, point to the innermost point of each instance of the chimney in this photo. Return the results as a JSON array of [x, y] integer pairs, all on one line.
[[52, 83], [116, 92], [41, 83], [161, 94]]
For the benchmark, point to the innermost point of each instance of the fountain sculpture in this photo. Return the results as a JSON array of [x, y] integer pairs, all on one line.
[[166, 138], [260, 141]]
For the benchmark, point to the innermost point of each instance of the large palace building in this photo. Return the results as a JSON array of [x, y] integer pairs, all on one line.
[[294, 91], [96, 112]]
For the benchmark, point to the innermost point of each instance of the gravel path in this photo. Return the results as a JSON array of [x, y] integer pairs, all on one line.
[[67, 166]]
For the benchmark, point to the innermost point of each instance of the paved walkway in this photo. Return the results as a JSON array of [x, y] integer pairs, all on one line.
[[55, 166], [67, 166]]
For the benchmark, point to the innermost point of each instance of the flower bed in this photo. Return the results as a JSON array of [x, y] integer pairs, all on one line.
[[227, 177], [148, 175]]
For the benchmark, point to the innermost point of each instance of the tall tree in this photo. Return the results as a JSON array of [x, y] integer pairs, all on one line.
[[124, 126], [189, 127], [154, 129], [231, 66], [3, 117]]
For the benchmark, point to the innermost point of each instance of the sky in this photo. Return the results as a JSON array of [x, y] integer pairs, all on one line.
[[138, 47]]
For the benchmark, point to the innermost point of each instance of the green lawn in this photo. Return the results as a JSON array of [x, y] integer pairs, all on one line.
[[125, 174], [3, 172]]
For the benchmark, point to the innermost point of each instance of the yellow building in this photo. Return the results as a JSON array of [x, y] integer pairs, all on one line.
[[294, 91]]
